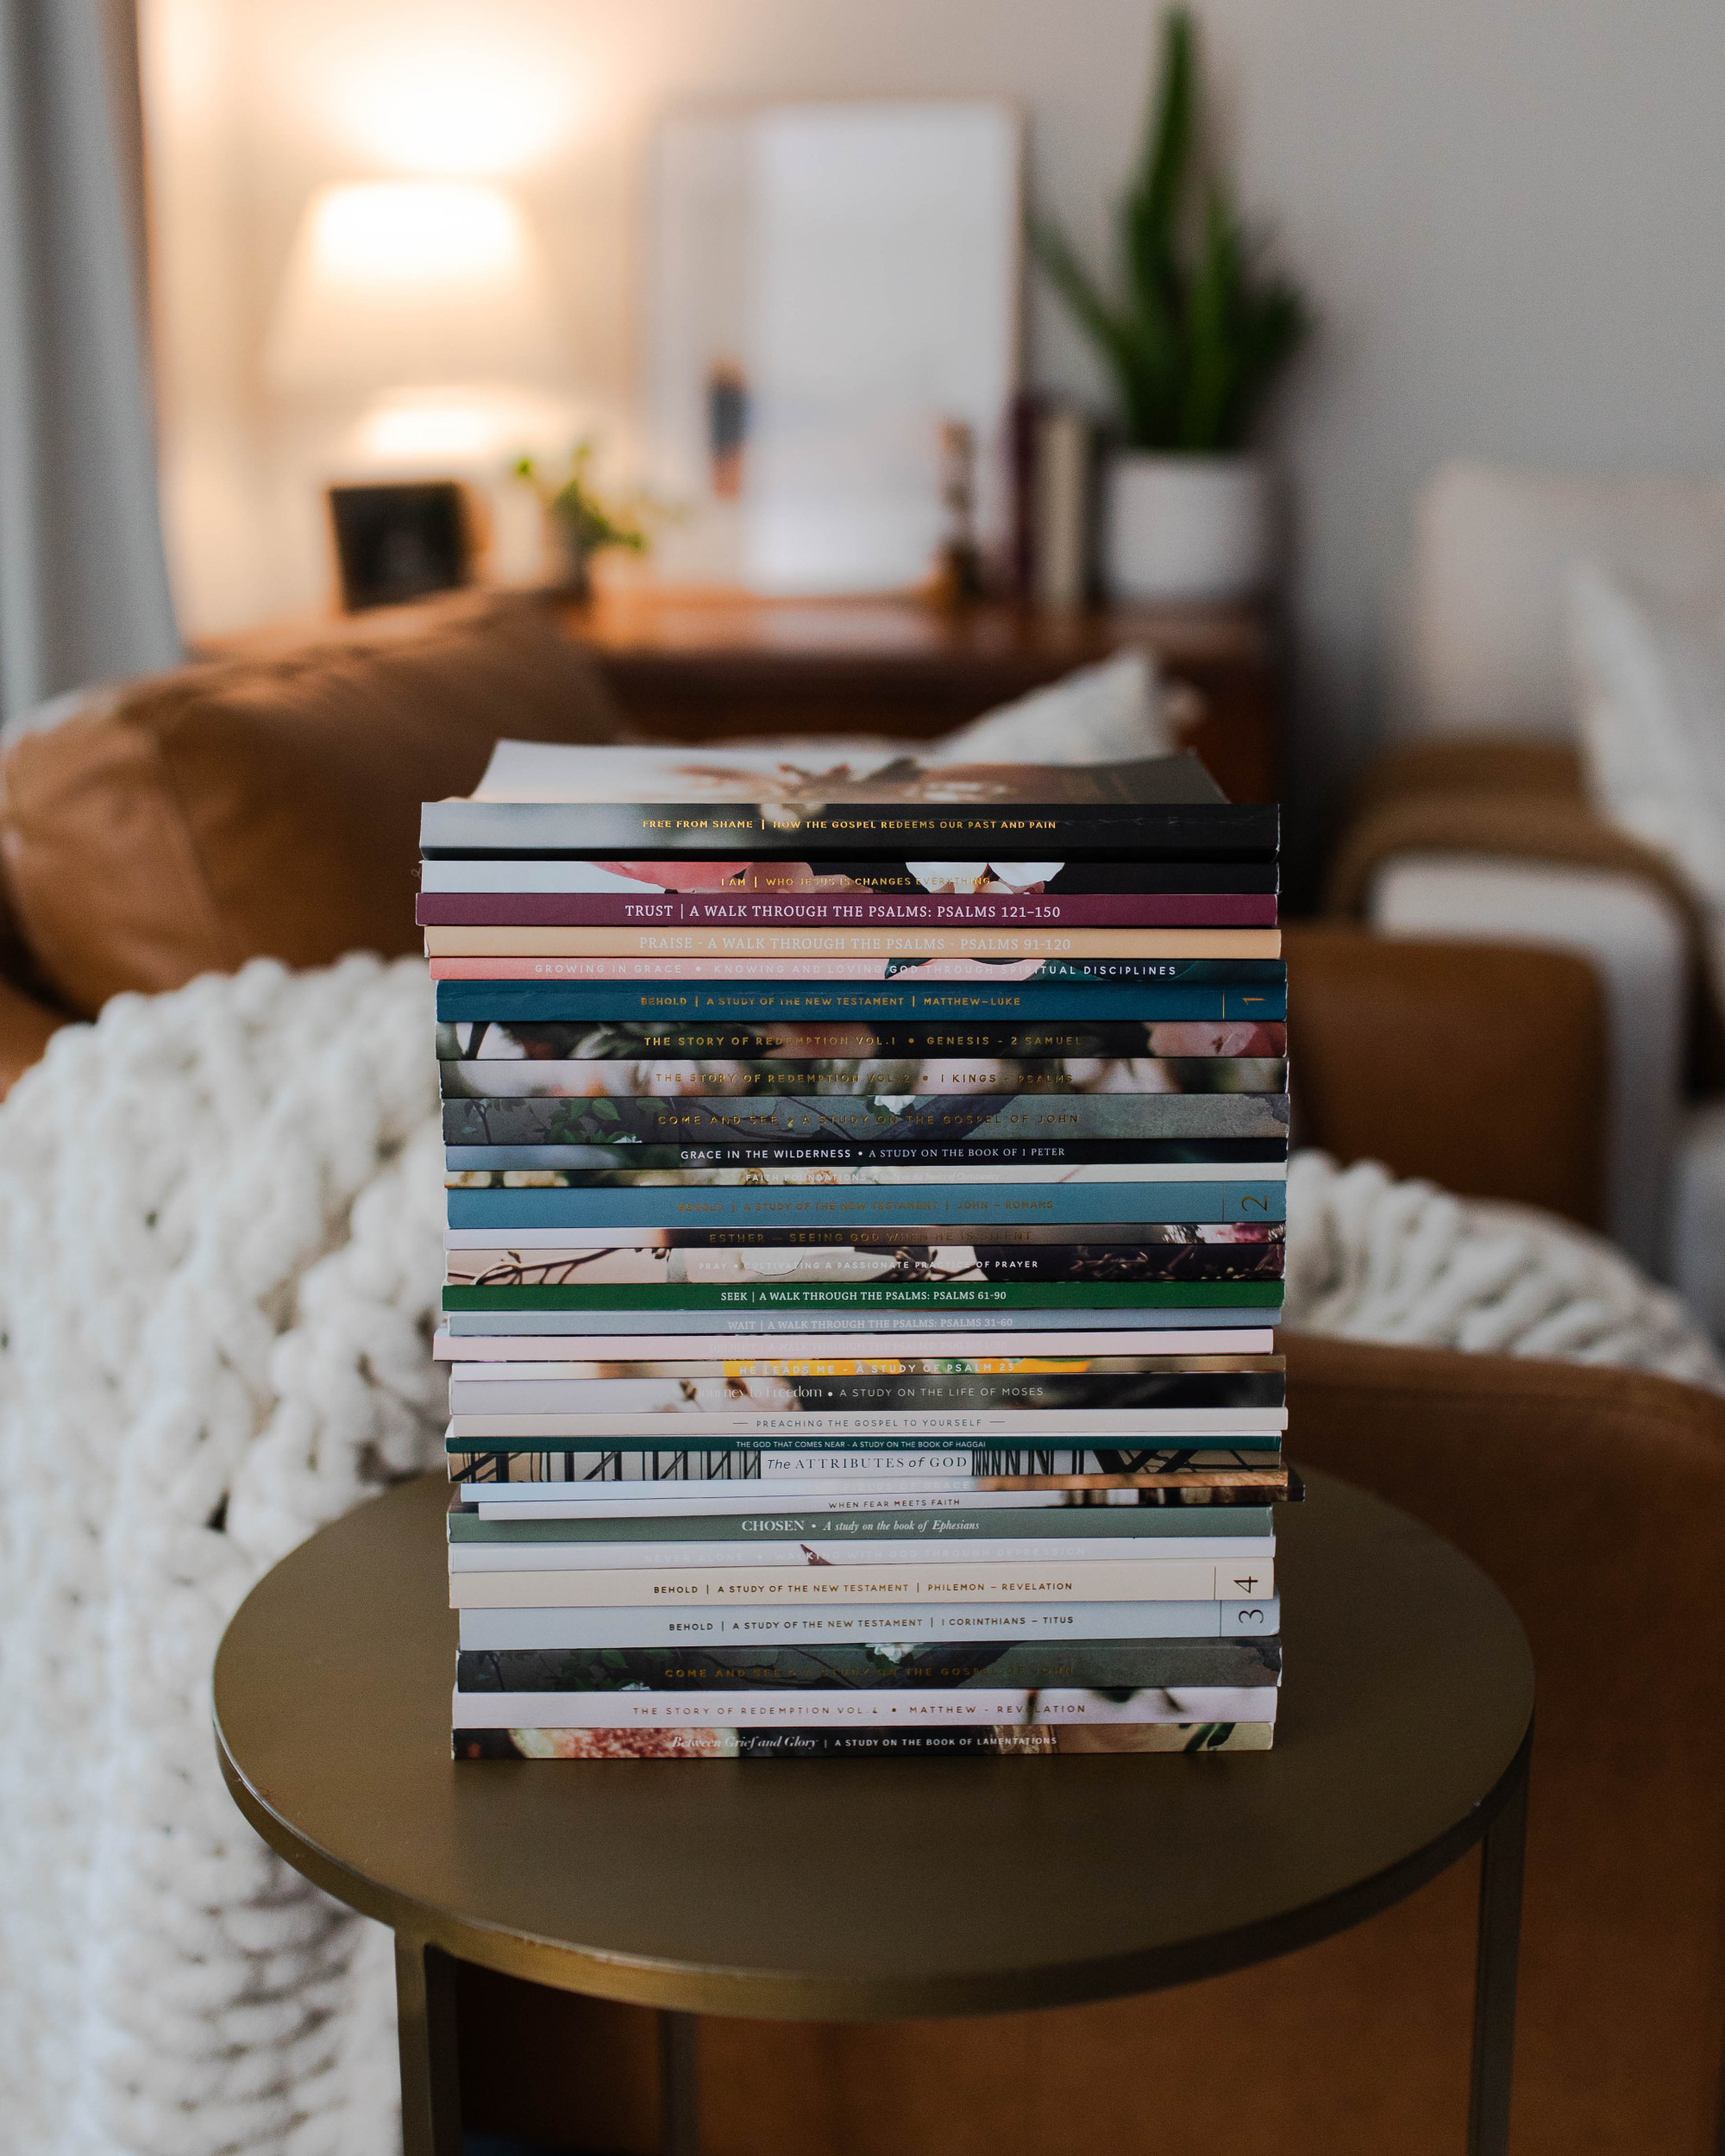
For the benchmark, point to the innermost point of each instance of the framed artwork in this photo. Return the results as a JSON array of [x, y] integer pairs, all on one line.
[[833, 347], [399, 541]]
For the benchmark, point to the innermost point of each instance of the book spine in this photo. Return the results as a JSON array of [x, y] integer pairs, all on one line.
[[858, 909], [647, 1345], [1078, 1384], [478, 1079], [1050, 1426], [923, 1119], [844, 1671], [639, 1500], [877, 877], [505, 968], [776, 1455], [637, 1265], [1044, 1742], [957, 1295], [1112, 1580], [901, 1001], [736, 830], [797, 1045], [470, 1255], [814, 1205], [1001, 1706], [916, 945], [927, 1365], [610, 1335], [785, 1534], [605, 1552], [583, 1167], [934, 1624]]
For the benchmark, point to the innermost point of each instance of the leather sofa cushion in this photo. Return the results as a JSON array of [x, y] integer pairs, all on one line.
[[236, 808], [1508, 800], [1480, 1066]]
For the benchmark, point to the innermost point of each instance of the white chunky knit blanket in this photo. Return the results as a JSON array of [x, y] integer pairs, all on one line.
[[220, 1251]]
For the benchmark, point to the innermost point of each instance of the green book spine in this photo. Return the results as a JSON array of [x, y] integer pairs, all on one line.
[[1250, 1294]]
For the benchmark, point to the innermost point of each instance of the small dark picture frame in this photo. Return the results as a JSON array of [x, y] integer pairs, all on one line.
[[399, 541]]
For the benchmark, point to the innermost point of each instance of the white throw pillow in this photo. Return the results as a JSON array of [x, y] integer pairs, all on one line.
[[1650, 704], [1115, 712], [1110, 713]]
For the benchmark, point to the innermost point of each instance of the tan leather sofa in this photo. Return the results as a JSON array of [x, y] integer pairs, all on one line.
[[186, 823], [271, 807]]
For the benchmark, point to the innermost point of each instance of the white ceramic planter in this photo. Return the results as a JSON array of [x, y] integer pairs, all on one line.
[[1185, 529]]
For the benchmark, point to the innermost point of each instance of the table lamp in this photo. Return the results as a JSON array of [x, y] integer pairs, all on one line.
[[394, 283]]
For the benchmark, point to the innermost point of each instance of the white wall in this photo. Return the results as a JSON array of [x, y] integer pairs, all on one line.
[[1508, 212]]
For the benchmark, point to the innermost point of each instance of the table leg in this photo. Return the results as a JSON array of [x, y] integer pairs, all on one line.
[[679, 2086], [430, 2071], [1494, 1985]]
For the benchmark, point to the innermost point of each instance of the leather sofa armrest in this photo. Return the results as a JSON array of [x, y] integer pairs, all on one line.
[[1482, 1067], [25, 1028], [1594, 1499]]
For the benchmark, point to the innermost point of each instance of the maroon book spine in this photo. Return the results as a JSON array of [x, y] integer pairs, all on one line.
[[674, 909]]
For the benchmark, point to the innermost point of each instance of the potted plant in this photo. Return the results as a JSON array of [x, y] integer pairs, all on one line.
[[580, 523], [1194, 340]]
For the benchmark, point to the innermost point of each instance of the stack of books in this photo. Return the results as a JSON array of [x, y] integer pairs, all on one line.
[[865, 1228]]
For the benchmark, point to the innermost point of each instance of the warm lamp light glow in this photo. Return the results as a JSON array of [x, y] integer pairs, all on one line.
[[402, 281], [464, 103], [457, 429]]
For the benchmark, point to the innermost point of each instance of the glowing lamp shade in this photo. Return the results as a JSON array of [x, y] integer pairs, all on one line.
[[411, 281]]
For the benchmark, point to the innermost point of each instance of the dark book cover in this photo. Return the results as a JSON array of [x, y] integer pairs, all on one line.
[[870, 877], [1165, 807], [1089, 1664], [589, 1078], [1126, 1261], [862, 1119], [575, 1167], [915, 1393], [1036, 1742]]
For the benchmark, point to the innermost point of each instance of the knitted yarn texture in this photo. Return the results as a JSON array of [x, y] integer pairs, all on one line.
[[1371, 1258], [220, 1253]]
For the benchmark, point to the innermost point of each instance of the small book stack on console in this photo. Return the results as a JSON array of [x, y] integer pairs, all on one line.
[[865, 1226]]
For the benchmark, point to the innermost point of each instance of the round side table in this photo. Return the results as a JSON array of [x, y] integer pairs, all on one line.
[[872, 1890]]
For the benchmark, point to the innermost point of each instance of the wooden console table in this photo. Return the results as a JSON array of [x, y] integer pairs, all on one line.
[[697, 666], [691, 666]]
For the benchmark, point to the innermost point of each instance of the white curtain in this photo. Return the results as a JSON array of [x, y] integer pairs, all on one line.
[[84, 589]]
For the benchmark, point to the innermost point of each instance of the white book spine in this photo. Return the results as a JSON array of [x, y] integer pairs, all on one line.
[[1154, 1580], [934, 1624], [1041, 1426], [1001, 1706]]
